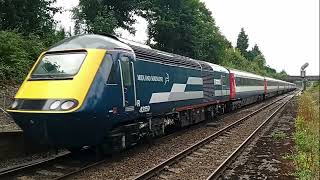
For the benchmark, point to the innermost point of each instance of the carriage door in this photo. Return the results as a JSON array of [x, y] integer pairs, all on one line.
[[217, 85], [128, 86], [225, 86]]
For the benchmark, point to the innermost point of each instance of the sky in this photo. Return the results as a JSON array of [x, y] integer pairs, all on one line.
[[286, 31]]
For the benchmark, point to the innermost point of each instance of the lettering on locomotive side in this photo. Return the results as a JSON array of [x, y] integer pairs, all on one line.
[[144, 109], [149, 78]]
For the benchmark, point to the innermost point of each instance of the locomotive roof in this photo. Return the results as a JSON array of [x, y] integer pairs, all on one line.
[[141, 51], [146, 52], [89, 41], [110, 42], [154, 55]]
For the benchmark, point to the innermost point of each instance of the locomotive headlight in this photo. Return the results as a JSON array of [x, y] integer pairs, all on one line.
[[55, 105], [14, 104], [68, 105]]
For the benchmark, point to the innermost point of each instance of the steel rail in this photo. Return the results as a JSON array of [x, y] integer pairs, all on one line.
[[158, 168], [80, 170], [11, 171], [218, 172], [10, 133], [29, 167]]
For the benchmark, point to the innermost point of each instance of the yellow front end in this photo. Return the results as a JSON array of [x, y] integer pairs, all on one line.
[[75, 88], [70, 127]]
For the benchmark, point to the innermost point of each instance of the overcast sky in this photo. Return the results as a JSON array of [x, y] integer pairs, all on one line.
[[287, 31]]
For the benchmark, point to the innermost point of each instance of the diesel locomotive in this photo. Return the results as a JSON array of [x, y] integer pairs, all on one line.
[[101, 90]]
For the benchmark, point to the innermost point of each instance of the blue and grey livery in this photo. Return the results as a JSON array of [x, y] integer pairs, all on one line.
[[121, 92]]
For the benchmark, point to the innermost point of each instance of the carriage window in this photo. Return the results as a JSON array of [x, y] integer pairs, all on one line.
[[126, 71], [237, 81], [242, 81], [113, 70], [223, 80], [226, 82]]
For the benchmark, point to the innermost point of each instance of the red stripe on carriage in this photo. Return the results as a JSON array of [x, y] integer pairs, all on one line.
[[232, 87]]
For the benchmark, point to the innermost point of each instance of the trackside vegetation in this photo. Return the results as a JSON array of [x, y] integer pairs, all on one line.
[[184, 27], [306, 136], [26, 29], [17, 54]]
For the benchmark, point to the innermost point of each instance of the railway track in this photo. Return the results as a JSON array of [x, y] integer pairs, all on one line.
[[218, 172], [7, 134], [208, 158], [11, 144], [64, 166], [58, 167], [22, 169]]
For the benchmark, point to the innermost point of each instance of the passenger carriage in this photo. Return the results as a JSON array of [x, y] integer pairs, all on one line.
[[249, 87]]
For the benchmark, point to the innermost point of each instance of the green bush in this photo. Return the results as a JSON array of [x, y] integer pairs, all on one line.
[[306, 136], [17, 54]]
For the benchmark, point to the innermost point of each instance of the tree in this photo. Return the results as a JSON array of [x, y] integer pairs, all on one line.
[[28, 16], [77, 28], [61, 33], [270, 70], [106, 15], [17, 54], [283, 74], [184, 27], [254, 52], [243, 43], [234, 59], [260, 60]]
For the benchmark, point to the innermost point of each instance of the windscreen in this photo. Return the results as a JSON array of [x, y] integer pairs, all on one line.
[[60, 65]]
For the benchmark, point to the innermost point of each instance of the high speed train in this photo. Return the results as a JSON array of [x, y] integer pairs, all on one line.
[[104, 91]]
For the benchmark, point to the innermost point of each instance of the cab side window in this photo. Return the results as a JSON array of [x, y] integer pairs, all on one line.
[[126, 71], [113, 70]]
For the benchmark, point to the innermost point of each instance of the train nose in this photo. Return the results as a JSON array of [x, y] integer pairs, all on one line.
[[36, 131], [59, 131]]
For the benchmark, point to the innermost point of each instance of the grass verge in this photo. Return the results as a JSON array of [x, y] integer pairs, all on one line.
[[306, 136]]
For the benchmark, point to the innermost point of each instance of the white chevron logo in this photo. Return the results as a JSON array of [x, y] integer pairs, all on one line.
[[178, 93]]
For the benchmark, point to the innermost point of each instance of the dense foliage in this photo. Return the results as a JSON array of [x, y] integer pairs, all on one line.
[[184, 27], [26, 17], [26, 29], [17, 54], [96, 16]]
